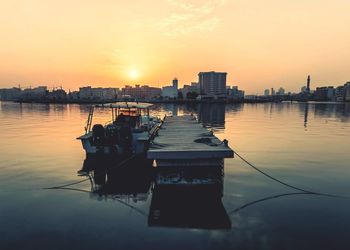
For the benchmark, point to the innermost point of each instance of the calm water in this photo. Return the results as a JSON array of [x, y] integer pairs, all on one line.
[[306, 145]]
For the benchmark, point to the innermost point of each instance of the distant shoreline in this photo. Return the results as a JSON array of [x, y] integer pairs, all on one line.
[[148, 101], [171, 101]]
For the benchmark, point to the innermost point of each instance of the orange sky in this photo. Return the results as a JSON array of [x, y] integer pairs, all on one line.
[[260, 44]]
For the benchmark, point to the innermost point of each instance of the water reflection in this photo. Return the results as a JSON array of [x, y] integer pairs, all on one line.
[[171, 205], [41, 151], [196, 207], [339, 110], [132, 181], [306, 113], [212, 115]]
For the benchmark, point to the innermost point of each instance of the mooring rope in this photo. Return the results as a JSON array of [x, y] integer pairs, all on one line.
[[69, 184], [89, 178], [284, 183], [268, 198], [113, 198]]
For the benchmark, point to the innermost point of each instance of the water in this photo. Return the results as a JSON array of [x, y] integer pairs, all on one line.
[[306, 145]]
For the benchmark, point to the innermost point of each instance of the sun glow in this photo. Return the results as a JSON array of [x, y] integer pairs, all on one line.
[[133, 74]]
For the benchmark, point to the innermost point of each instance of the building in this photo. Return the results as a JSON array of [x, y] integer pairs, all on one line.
[[73, 96], [188, 91], [212, 84], [251, 98], [141, 92], [85, 93], [324, 94], [339, 94], [331, 93], [176, 83], [57, 95], [171, 91], [234, 94], [347, 92], [11, 94], [34, 94], [308, 84], [97, 94], [281, 91], [273, 91], [266, 92]]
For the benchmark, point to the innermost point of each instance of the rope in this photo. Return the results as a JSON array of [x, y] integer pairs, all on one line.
[[89, 178], [265, 199], [69, 184], [114, 198], [284, 183]]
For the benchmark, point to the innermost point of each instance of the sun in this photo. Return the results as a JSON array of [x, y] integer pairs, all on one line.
[[133, 74]]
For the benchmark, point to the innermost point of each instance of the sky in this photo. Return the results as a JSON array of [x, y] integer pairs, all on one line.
[[260, 44]]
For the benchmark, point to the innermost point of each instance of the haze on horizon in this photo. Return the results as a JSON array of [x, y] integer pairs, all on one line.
[[261, 44]]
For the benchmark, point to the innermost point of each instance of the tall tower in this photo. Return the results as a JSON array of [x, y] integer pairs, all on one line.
[[176, 83], [308, 84]]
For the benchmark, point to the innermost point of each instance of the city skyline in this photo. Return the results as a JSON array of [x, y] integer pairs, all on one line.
[[259, 45], [266, 90]]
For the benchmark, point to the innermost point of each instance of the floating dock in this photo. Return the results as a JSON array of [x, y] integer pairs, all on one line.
[[186, 152], [183, 138]]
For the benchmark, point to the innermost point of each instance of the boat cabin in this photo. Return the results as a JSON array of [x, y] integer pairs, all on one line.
[[131, 114]]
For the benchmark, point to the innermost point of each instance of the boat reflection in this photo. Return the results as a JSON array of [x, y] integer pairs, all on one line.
[[130, 181]]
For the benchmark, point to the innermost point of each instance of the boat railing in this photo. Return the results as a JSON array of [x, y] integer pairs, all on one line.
[[89, 120]]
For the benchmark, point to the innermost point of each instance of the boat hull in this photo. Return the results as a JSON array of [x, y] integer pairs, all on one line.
[[139, 145]]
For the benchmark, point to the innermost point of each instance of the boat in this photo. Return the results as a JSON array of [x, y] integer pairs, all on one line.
[[127, 134]]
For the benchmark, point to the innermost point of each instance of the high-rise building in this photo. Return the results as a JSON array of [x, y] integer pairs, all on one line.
[[281, 91], [273, 91], [324, 94], [339, 93], [176, 83], [347, 92], [212, 84], [266, 92]]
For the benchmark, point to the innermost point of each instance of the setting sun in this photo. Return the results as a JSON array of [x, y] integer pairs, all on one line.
[[133, 74]]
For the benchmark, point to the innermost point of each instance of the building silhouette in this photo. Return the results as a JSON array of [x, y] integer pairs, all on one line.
[[308, 84], [171, 91], [141, 92], [266, 92], [176, 83], [212, 84]]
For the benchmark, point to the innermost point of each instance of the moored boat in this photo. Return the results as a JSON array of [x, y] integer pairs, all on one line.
[[127, 134]]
